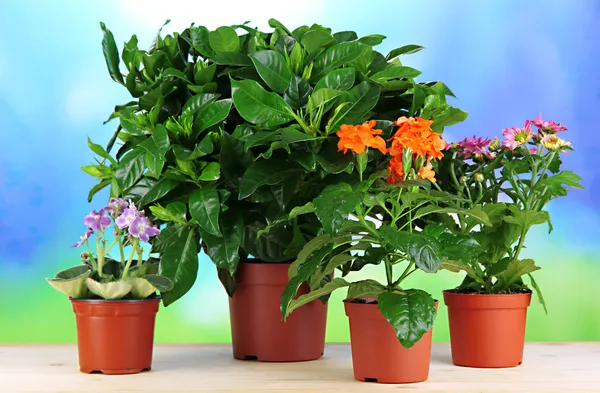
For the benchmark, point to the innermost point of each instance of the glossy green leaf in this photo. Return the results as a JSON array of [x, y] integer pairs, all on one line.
[[476, 215], [372, 39], [258, 106], [285, 190], [261, 138], [361, 98], [372, 256], [200, 41], [411, 313], [234, 159], [457, 266], [232, 59], [156, 191], [334, 205], [265, 172], [179, 262], [315, 40], [198, 101], [423, 250], [274, 23], [345, 36], [140, 287], [316, 294], [395, 71], [336, 56], [166, 215], [211, 114], [365, 289], [537, 289], [525, 219], [418, 99], [333, 161], [99, 150], [297, 92], [205, 75], [71, 282], [111, 290], [99, 171], [556, 184], [342, 79], [130, 168], [212, 172], [98, 187], [224, 39], [514, 271], [224, 250], [403, 50], [111, 54], [205, 207], [304, 209], [273, 69], [291, 135]]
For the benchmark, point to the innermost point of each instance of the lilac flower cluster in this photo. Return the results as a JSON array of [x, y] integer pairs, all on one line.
[[126, 217]]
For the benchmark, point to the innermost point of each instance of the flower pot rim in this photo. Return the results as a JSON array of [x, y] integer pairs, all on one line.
[[488, 295], [371, 304], [256, 261], [96, 301]]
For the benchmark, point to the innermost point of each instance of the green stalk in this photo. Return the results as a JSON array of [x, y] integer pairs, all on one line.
[[92, 259], [406, 272], [99, 255], [134, 245], [388, 271], [121, 250]]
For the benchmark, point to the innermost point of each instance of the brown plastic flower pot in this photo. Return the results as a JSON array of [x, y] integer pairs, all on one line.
[[257, 328], [115, 337], [377, 355], [487, 331]]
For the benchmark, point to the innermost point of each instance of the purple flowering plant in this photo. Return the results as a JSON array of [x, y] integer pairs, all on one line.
[[101, 276], [511, 181]]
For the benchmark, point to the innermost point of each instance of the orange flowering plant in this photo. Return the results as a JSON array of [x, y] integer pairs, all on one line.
[[381, 219]]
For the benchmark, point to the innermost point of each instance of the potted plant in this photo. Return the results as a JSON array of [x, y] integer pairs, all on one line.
[[390, 325], [114, 300], [513, 181], [237, 133]]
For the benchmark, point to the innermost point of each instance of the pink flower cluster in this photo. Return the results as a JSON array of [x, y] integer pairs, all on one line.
[[474, 147]]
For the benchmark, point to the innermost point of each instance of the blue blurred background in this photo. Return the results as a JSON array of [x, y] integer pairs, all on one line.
[[506, 61]]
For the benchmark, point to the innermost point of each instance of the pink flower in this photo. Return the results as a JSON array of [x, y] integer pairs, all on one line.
[[474, 147], [547, 125], [533, 150], [515, 137]]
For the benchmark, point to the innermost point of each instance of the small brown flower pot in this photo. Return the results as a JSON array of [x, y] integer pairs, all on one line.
[[377, 355], [257, 328], [115, 337], [487, 331]]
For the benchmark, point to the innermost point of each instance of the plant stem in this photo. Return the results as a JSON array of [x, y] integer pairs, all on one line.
[[121, 250], [140, 256], [134, 245], [406, 272], [388, 271], [520, 245], [99, 255], [94, 264]]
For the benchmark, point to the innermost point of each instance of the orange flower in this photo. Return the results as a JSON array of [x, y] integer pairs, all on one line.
[[396, 170], [427, 172], [415, 133], [357, 138]]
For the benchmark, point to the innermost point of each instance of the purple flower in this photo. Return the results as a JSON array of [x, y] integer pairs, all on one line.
[[143, 229], [83, 238], [547, 125], [515, 137], [116, 205], [128, 216], [474, 147], [97, 220]]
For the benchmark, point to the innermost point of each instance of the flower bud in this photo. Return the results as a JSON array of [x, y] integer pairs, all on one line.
[[495, 144], [84, 256], [462, 179], [479, 178]]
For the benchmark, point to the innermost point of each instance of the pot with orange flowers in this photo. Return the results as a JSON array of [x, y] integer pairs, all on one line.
[[383, 219]]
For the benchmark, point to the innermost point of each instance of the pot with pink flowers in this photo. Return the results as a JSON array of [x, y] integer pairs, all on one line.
[[114, 291]]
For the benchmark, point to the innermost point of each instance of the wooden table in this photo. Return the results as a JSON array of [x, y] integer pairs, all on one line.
[[547, 367]]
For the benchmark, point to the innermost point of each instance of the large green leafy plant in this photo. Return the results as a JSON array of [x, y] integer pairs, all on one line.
[[513, 181], [228, 134]]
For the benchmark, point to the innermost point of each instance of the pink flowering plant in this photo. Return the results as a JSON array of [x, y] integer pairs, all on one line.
[[512, 182], [100, 275]]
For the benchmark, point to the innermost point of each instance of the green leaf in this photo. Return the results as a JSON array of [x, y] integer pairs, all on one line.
[[232, 59], [71, 282], [313, 245], [111, 290], [224, 250], [372, 256], [329, 269], [234, 159], [211, 114], [297, 92], [315, 41], [525, 219], [321, 97], [179, 262], [142, 287], [224, 39], [198, 101], [342, 79], [458, 266], [212, 172], [273, 69], [411, 313], [362, 98], [111, 54], [205, 207], [333, 161], [395, 71], [316, 294], [304, 209], [99, 150], [166, 215], [423, 250], [539, 292], [372, 39], [286, 189], [556, 183], [274, 23], [403, 50], [476, 215], [200, 41], [291, 135], [265, 172], [156, 191], [98, 187], [258, 106], [336, 56], [130, 168], [514, 271], [260, 138], [334, 205], [99, 171], [418, 98], [205, 75], [365, 289]]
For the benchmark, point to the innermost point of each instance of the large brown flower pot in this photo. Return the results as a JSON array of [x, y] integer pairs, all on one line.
[[115, 337], [377, 355], [487, 331], [258, 331]]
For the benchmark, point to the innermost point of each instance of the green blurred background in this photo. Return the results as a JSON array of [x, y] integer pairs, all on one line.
[[506, 60]]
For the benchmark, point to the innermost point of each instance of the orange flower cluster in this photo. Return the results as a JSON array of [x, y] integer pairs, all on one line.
[[357, 138], [413, 133]]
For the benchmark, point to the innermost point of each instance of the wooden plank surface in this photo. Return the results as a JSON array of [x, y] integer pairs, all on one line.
[[547, 367]]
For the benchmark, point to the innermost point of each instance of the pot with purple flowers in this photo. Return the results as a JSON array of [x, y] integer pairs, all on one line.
[[114, 291]]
